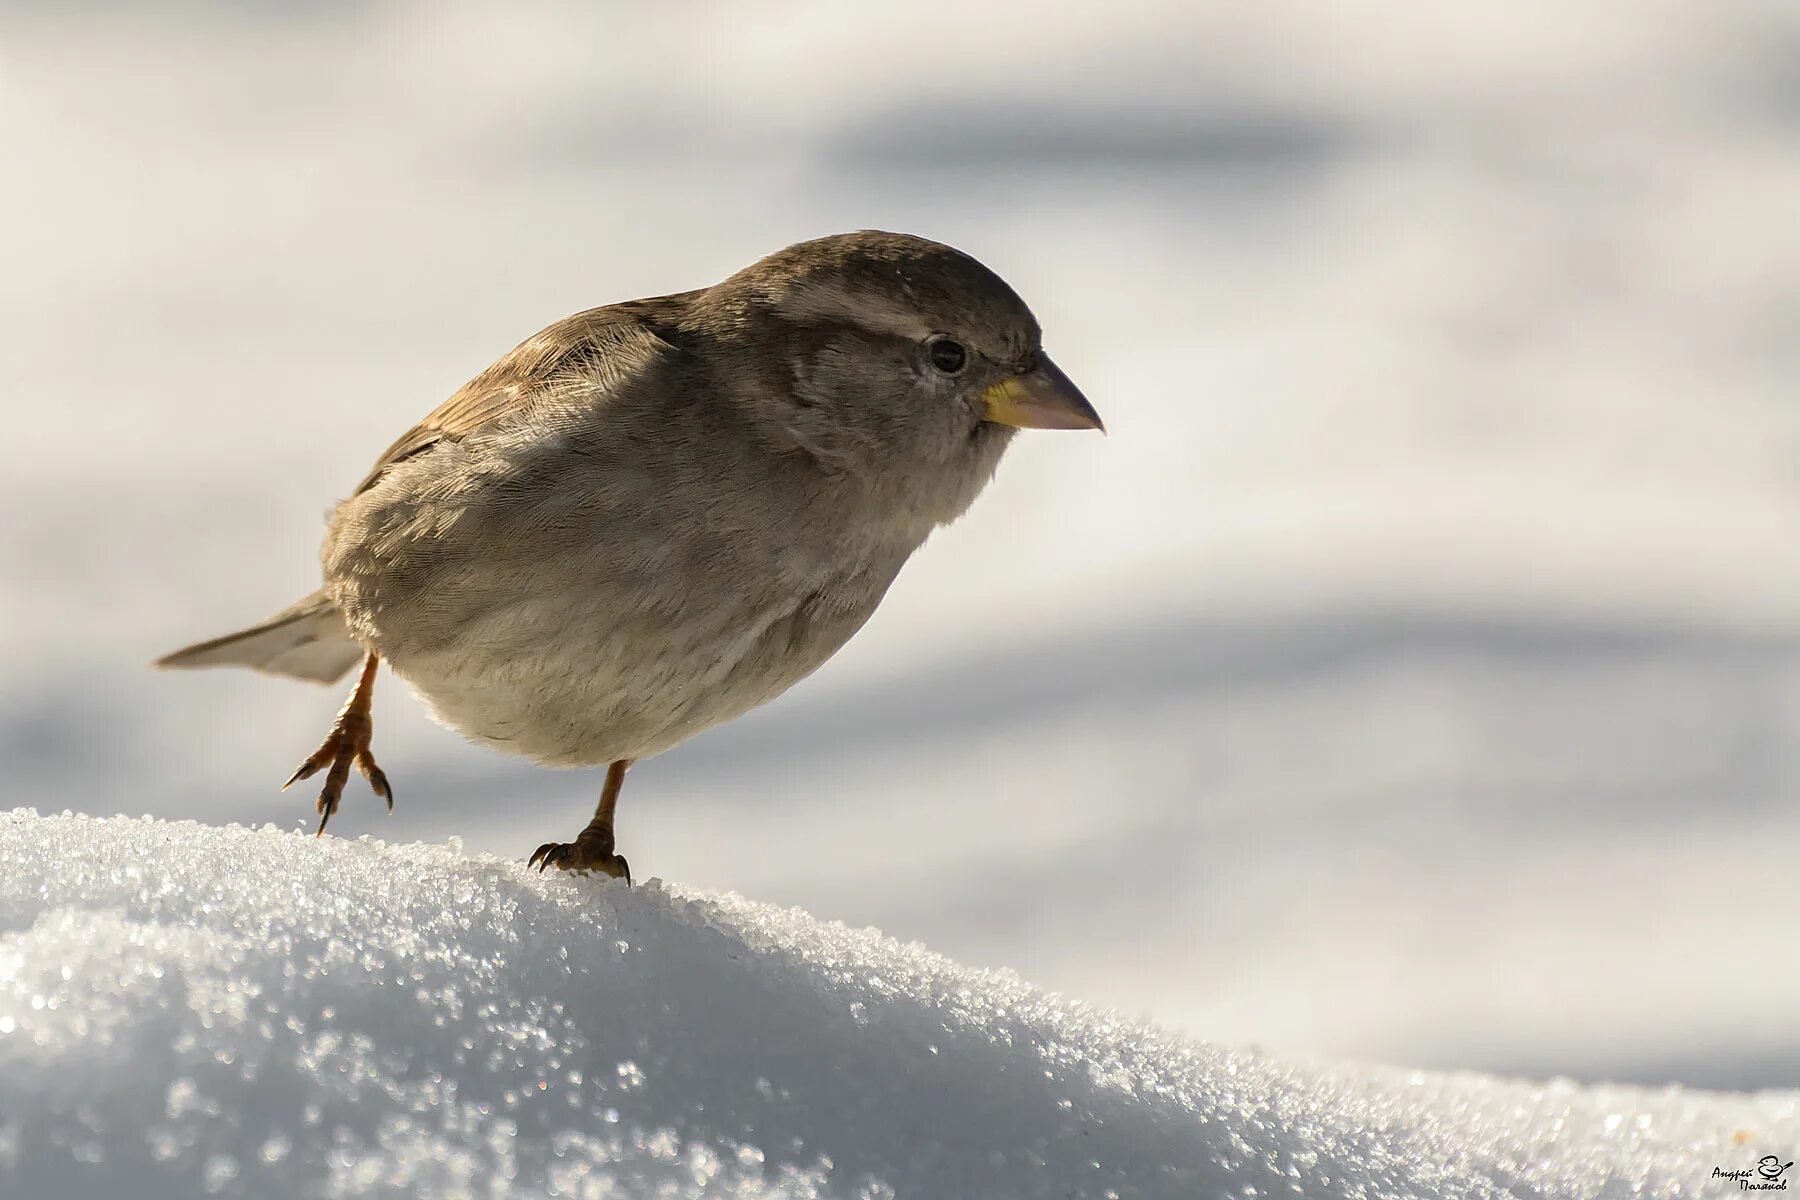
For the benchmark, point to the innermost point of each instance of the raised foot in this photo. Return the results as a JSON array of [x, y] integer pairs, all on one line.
[[345, 745], [586, 853]]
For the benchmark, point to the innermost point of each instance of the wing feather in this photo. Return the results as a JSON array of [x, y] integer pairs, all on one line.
[[599, 345]]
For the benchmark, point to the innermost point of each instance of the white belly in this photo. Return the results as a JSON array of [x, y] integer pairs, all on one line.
[[571, 692], [555, 680]]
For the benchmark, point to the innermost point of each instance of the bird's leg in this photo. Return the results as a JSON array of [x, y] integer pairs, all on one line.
[[347, 743], [593, 849]]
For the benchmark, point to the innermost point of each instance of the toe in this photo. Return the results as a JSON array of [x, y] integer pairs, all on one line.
[[576, 859], [318, 760], [305, 770], [378, 780], [613, 866]]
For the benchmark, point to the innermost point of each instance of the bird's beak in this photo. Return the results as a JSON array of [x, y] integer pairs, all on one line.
[[1041, 398]]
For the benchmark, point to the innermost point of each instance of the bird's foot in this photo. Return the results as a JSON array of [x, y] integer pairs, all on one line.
[[347, 744], [592, 851]]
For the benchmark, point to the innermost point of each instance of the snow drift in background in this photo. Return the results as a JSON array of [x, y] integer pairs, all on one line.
[[1412, 674], [187, 1009]]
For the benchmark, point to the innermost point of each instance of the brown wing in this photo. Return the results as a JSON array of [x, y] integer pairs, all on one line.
[[601, 342]]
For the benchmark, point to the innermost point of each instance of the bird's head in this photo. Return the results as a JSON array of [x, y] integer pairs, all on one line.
[[881, 353]]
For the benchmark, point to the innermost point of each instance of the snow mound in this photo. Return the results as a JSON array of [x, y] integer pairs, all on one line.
[[190, 1010]]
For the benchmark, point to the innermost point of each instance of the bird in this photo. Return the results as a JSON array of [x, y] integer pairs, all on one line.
[[650, 518]]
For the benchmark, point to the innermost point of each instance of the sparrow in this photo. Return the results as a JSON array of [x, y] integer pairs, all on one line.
[[650, 518]]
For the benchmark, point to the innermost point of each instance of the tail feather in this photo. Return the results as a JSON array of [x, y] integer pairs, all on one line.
[[307, 640]]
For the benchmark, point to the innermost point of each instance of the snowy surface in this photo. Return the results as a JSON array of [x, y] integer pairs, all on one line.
[[188, 1009]]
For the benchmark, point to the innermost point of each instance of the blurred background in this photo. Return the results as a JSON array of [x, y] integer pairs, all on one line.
[[1414, 673]]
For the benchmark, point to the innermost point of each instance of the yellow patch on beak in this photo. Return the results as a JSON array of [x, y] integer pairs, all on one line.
[[1041, 398]]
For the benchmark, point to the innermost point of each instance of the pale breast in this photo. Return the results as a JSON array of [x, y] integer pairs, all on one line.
[[561, 681], [578, 608]]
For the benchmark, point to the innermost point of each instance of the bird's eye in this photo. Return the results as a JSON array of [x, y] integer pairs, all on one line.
[[947, 356]]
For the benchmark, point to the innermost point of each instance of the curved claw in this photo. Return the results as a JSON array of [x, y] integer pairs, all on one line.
[[307, 769], [572, 856], [378, 780]]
